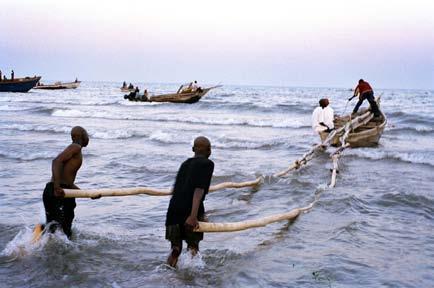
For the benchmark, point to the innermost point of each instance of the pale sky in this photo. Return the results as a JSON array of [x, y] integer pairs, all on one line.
[[289, 43]]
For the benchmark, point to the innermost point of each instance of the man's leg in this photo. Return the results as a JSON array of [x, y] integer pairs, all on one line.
[[173, 234], [193, 239], [374, 106], [68, 216], [52, 208], [193, 247], [358, 105]]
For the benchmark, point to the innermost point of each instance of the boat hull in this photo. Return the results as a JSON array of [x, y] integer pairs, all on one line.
[[367, 135], [70, 85], [188, 98], [19, 85]]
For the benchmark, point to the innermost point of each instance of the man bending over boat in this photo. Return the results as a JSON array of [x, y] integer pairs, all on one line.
[[186, 205], [322, 119], [59, 211], [364, 90]]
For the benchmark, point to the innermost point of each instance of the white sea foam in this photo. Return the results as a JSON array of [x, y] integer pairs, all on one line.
[[411, 157], [22, 244], [216, 119], [14, 108], [26, 156], [188, 262]]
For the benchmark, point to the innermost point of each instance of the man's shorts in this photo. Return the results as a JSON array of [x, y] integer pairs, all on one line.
[[58, 211], [176, 233]]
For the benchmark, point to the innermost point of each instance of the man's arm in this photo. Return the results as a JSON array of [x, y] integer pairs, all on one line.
[[191, 221], [356, 91], [57, 167]]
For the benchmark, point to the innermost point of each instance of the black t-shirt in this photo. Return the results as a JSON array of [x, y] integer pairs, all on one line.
[[194, 173]]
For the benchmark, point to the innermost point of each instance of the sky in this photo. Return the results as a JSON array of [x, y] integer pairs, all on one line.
[[306, 43]]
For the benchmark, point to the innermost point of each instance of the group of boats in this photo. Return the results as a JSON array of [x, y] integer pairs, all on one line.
[[23, 85], [367, 134], [185, 94]]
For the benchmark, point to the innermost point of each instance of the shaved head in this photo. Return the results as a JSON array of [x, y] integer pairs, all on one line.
[[324, 102], [202, 146], [79, 135]]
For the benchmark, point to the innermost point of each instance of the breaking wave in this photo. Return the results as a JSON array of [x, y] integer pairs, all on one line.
[[426, 158], [242, 120]]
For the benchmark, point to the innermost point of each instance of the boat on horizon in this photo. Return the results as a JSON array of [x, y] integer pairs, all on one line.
[[58, 85], [19, 84]]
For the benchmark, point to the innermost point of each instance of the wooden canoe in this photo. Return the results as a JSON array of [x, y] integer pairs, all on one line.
[[190, 97], [366, 135], [59, 85], [18, 84]]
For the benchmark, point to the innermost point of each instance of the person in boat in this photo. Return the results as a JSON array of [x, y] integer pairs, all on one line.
[[145, 95], [59, 211], [186, 205], [0, 75], [131, 86], [136, 93], [188, 88], [196, 88], [364, 90], [124, 85], [322, 119], [12, 75], [76, 80]]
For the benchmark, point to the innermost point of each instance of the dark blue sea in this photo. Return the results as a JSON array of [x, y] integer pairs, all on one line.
[[374, 229]]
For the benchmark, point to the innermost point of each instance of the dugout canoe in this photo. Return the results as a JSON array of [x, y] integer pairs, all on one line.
[[189, 97], [59, 85], [19, 84], [366, 135]]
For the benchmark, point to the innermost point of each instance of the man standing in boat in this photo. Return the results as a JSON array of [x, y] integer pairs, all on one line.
[[12, 75], [59, 211], [0, 75], [186, 205], [322, 119], [364, 90], [196, 88]]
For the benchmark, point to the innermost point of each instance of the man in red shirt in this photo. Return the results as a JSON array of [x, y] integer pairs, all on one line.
[[365, 92]]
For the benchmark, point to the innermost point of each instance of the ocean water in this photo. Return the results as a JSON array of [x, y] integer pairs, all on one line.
[[374, 229]]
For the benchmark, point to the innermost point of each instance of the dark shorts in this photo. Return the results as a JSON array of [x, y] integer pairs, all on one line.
[[176, 233], [59, 212]]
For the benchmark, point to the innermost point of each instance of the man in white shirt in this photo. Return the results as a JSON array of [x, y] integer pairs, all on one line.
[[322, 119]]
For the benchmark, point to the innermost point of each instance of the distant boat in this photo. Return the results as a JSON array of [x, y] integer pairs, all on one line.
[[19, 84], [59, 85], [183, 97]]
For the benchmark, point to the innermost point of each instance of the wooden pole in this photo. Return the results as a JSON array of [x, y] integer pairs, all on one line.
[[75, 193], [248, 224]]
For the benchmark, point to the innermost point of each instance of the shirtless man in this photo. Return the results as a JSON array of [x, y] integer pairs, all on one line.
[[186, 205], [59, 211]]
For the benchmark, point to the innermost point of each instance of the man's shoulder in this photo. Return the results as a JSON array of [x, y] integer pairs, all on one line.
[[202, 162], [74, 148], [317, 110]]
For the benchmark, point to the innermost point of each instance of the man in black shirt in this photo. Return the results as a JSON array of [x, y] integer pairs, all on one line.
[[186, 205]]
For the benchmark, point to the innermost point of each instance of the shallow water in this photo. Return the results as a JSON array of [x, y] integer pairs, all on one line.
[[374, 229]]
